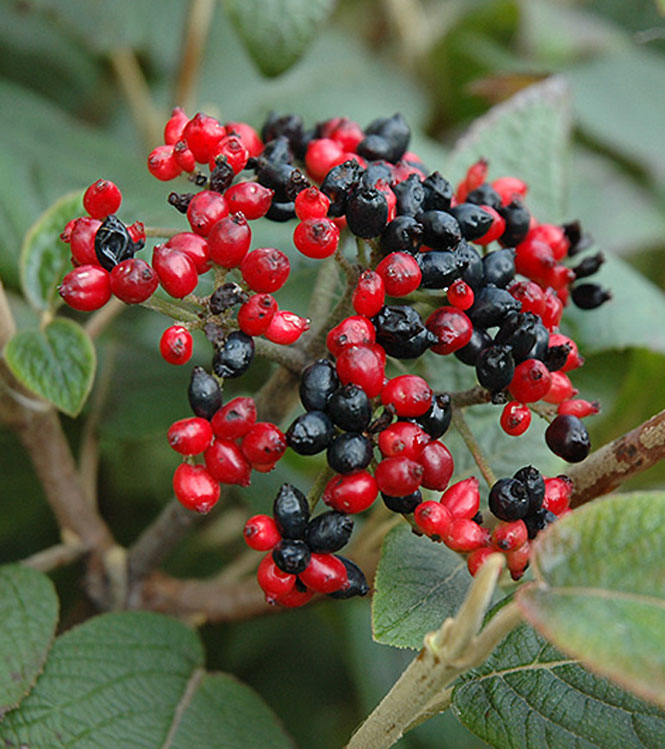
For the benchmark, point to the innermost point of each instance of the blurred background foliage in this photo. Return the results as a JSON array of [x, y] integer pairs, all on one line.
[[66, 120]]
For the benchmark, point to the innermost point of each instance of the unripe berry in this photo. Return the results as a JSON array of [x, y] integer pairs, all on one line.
[[352, 493], [227, 464], [433, 519]]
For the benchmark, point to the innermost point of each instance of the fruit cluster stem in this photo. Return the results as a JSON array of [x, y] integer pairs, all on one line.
[[474, 448]]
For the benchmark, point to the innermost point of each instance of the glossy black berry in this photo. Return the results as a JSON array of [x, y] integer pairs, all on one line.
[[286, 180], [402, 333], [540, 347], [437, 420], [403, 505], [579, 241], [538, 521], [205, 396], [584, 295], [568, 438], [291, 556], [492, 306], [499, 267], [318, 382], [375, 148], [517, 219], [281, 212], [534, 483], [234, 358], [350, 408], [410, 196], [411, 348], [473, 220], [438, 193], [357, 582], [402, 234], [328, 532], [367, 212], [518, 331], [338, 185], [440, 230], [395, 131], [473, 272], [495, 368], [113, 243], [480, 340], [349, 452], [289, 126], [439, 268], [589, 265], [291, 511], [485, 195], [556, 356], [376, 171], [310, 433], [509, 500], [276, 151]]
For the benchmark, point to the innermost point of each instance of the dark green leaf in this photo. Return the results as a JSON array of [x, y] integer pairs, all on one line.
[[276, 34], [44, 256], [528, 694], [600, 591], [418, 584], [28, 617], [525, 137], [57, 363]]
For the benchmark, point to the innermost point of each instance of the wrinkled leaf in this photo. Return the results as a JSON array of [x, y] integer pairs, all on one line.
[[28, 617], [600, 591], [57, 363]]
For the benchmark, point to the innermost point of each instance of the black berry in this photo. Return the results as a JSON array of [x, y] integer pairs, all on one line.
[[328, 532], [534, 482], [317, 383], [495, 368], [291, 512], [509, 500], [403, 505], [234, 358], [350, 408], [205, 396], [349, 452], [310, 433], [568, 438], [291, 556]]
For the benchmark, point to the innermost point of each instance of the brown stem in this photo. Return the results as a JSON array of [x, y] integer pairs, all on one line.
[[288, 356], [474, 448], [199, 18], [612, 464], [55, 556], [472, 397]]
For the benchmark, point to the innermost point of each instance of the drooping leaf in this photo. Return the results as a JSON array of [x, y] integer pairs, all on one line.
[[44, 256], [600, 590], [277, 33], [57, 363], [529, 694], [525, 137], [418, 584], [28, 617]]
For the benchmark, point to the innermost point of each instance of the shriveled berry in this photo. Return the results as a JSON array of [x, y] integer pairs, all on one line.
[[195, 488], [205, 396], [433, 519], [350, 408], [291, 512], [352, 493], [190, 436], [568, 438], [538, 521], [328, 532], [86, 288], [291, 555], [310, 433], [227, 464], [438, 193], [491, 307], [235, 419], [235, 357], [261, 533], [175, 345], [509, 499], [533, 480], [520, 331]]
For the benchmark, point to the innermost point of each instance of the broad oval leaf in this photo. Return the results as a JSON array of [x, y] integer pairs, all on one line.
[[277, 33], [526, 137], [528, 694], [57, 363], [44, 256], [418, 584], [28, 618], [600, 589]]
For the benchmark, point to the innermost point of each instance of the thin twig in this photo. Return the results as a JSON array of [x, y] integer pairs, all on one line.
[[174, 310], [474, 448], [474, 396], [55, 556], [199, 19], [159, 232], [288, 356]]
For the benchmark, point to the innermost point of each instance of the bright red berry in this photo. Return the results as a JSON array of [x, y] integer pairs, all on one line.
[[510, 188], [557, 494], [133, 281], [452, 327], [294, 598], [265, 269], [205, 209], [403, 438], [250, 198], [518, 560], [398, 477], [462, 498], [573, 360], [255, 315], [400, 272], [190, 436], [82, 241], [438, 466], [162, 163], [531, 296], [227, 464], [176, 344], [286, 327], [195, 488], [551, 317], [247, 135], [86, 288], [264, 444], [174, 126], [311, 204], [229, 240], [554, 236], [475, 176], [347, 133], [355, 330], [510, 536], [531, 381], [325, 573], [352, 493], [433, 519], [136, 232], [235, 419], [369, 295], [362, 366], [203, 134], [477, 558], [460, 295], [261, 533], [534, 259], [495, 231], [274, 583], [465, 535], [102, 198], [176, 271], [316, 237], [233, 150], [194, 246], [184, 158], [561, 388], [322, 155], [579, 408], [515, 418], [410, 396]]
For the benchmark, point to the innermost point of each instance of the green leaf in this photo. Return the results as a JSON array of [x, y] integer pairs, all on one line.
[[526, 137], [600, 590], [632, 318], [528, 694], [57, 363], [136, 679], [276, 34], [44, 256], [28, 617], [418, 584]]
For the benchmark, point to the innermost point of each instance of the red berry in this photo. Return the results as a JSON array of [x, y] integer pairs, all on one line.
[[184, 158], [465, 535], [531, 381], [82, 240], [515, 418], [534, 259], [102, 198], [265, 270], [410, 396], [554, 236], [510, 188], [203, 135], [561, 388], [557, 494], [311, 204], [316, 237], [286, 327], [174, 126], [136, 232], [247, 135], [403, 438], [322, 155], [518, 560], [553, 310], [462, 498], [194, 246], [133, 281], [294, 598], [261, 533], [255, 315], [347, 133], [66, 233], [264, 444], [190, 436], [325, 573], [495, 231], [460, 295], [176, 271], [162, 163], [274, 583], [205, 209], [233, 150], [510, 536], [352, 331], [227, 464], [433, 519], [452, 327], [176, 345], [475, 176], [362, 366], [235, 419], [477, 558], [400, 272], [398, 477], [579, 408], [250, 198], [369, 295], [86, 288], [531, 296], [229, 240], [195, 488], [438, 466], [351, 493]]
